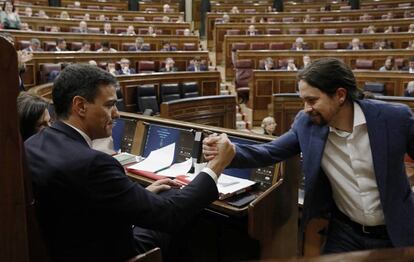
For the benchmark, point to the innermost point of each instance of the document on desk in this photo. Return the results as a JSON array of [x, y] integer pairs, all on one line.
[[178, 169], [230, 185], [157, 160]]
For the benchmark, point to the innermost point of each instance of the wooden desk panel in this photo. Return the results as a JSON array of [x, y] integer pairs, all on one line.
[[158, 6], [219, 110], [39, 24], [314, 42], [128, 15], [121, 5], [348, 56], [352, 15], [287, 105], [221, 30], [181, 58], [266, 83]]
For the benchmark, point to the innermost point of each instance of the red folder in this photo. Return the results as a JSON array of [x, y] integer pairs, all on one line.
[[147, 174]]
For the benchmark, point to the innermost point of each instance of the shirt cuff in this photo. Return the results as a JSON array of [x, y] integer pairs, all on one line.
[[211, 173]]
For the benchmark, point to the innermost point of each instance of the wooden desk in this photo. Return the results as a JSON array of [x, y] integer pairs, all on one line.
[[348, 56], [266, 83], [128, 15], [271, 218], [32, 78], [221, 30], [218, 110], [287, 105], [159, 6], [352, 15], [314, 42], [39, 24], [120, 5]]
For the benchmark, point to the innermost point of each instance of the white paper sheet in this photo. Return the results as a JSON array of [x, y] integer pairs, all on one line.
[[157, 159], [177, 169]]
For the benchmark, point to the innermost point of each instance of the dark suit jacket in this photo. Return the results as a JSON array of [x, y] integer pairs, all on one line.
[[120, 72], [391, 134], [143, 48], [87, 205], [55, 50], [173, 69], [202, 68]]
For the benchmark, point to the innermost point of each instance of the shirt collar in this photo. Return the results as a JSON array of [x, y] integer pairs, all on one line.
[[85, 136], [359, 120]]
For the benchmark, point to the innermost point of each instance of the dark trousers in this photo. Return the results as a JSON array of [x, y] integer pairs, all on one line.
[[345, 236]]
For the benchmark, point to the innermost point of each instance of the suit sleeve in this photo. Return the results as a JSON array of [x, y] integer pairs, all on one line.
[[266, 154], [410, 135], [112, 193]]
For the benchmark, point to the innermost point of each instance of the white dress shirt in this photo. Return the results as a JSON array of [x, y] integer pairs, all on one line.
[[347, 162]]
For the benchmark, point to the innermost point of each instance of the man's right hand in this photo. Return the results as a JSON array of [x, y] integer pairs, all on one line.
[[221, 151]]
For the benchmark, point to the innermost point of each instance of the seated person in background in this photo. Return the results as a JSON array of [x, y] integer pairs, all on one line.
[[53, 74], [267, 64], [388, 29], [290, 65], [54, 29], [389, 65], [42, 14], [92, 62], [196, 65], [407, 14], [34, 46], [64, 15], [234, 10], [225, 19], [76, 4], [180, 19], [383, 44], [151, 31], [369, 30], [83, 27], [187, 32], [166, 8], [390, 15], [269, 9], [60, 45], [166, 46], [263, 20], [87, 17], [125, 70], [251, 30], [411, 28], [165, 19], [355, 45], [139, 45], [86, 46], [251, 20], [91, 190], [410, 45], [307, 19], [119, 18], [299, 45], [130, 31], [409, 91], [106, 47], [33, 114], [269, 126], [9, 17], [410, 67], [102, 17], [107, 29], [25, 27], [365, 17], [306, 61], [169, 66], [28, 12], [111, 68]]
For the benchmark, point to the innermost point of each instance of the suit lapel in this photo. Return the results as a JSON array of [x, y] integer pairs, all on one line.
[[69, 131], [377, 133], [312, 162]]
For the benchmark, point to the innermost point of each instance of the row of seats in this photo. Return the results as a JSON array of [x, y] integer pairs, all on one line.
[[75, 46], [147, 95]]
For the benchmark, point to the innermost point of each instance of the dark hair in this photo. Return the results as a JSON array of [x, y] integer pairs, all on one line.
[[105, 44], [59, 41], [11, 2], [329, 74], [30, 108], [78, 80]]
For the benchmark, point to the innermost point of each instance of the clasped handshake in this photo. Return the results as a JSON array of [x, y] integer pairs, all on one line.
[[219, 151]]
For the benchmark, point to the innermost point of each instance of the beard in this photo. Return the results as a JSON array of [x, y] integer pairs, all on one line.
[[317, 119]]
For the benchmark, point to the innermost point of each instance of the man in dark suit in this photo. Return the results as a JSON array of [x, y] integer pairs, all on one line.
[[196, 65], [169, 66], [139, 45], [125, 69], [353, 152], [34, 45], [86, 204], [60, 45]]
